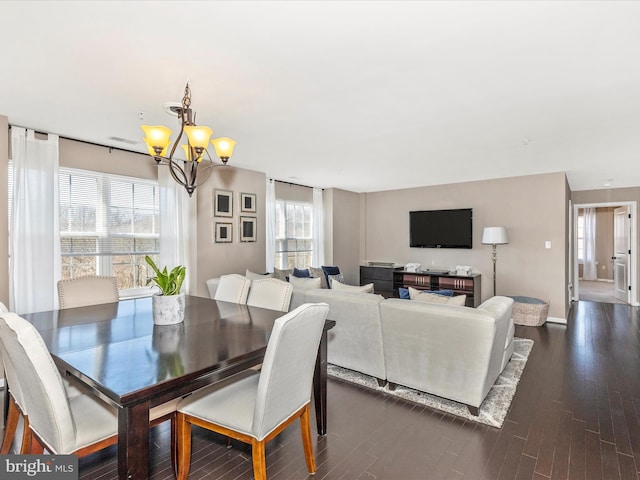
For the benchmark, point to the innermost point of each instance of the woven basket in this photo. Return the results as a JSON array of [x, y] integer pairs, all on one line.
[[530, 314]]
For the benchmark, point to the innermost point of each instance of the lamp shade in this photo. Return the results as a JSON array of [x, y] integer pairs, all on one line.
[[223, 146], [198, 136], [494, 236], [157, 135]]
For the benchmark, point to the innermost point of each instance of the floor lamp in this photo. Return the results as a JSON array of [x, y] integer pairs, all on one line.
[[494, 236]]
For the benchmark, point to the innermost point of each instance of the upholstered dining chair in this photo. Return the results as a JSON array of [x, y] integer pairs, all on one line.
[[16, 403], [233, 288], [87, 290], [270, 293], [58, 422], [258, 407]]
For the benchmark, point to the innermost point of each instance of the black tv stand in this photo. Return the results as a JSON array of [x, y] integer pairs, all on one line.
[[433, 280]]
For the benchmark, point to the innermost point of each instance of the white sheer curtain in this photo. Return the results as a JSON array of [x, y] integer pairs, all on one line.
[[177, 224], [590, 271], [318, 229], [35, 230], [270, 227]]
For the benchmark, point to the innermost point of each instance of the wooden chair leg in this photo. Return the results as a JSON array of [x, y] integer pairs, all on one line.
[[13, 416], [36, 447], [183, 438], [174, 445], [305, 428], [259, 460], [26, 437]]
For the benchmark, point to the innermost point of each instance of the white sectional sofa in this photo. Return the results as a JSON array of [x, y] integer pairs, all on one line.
[[356, 340], [450, 351]]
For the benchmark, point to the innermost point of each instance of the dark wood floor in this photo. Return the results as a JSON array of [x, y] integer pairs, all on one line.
[[575, 416]]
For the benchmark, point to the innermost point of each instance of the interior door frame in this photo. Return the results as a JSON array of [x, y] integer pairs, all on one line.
[[633, 240]]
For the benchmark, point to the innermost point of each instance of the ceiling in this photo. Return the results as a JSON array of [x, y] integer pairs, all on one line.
[[360, 95]]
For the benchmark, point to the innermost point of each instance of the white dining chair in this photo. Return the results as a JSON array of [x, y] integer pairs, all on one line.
[[233, 288], [16, 404], [63, 424], [16, 407], [87, 290], [258, 407], [270, 293]]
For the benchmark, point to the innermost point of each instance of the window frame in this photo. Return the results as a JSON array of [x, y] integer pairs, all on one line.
[[104, 259], [282, 240]]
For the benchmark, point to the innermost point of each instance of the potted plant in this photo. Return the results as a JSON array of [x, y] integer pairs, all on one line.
[[168, 305]]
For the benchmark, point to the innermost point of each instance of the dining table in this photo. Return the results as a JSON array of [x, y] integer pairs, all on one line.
[[117, 351]]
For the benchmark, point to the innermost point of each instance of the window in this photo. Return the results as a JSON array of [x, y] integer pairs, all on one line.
[[580, 234], [108, 224], [294, 233]]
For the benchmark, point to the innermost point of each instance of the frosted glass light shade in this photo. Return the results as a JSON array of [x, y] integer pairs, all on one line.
[[152, 151], [223, 146], [198, 136], [157, 136], [494, 236], [189, 156]]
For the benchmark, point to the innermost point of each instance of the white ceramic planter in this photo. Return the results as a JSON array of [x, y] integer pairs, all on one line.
[[167, 309]]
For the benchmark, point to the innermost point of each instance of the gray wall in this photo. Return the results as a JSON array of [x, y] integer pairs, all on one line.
[[533, 208], [215, 259], [342, 232]]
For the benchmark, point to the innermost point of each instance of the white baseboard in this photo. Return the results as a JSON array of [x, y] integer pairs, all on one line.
[[562, 321]]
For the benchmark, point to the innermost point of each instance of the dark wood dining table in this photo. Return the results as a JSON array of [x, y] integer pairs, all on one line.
[[117, 351]]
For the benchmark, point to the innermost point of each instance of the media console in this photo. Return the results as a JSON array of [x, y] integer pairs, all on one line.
[[387, 280]]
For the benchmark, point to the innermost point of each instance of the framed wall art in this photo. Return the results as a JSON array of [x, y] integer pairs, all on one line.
[[248, 202], [248, 229], [223, 232], [222, 203]]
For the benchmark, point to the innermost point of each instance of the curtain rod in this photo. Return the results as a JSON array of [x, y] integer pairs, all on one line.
[[291, 183], [78, 140]]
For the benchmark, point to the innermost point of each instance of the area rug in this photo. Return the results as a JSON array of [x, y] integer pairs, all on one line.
[[492, 411]]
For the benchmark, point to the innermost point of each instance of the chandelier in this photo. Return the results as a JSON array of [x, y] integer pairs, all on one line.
[[195, 170]]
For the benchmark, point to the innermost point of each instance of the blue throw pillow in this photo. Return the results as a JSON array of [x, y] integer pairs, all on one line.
[[404, 293], [330, 271], [302, 273], [444, 293]]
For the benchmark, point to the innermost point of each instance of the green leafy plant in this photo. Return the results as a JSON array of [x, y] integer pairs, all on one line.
[[168, 282]]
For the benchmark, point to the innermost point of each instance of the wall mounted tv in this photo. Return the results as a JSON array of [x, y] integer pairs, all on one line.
[[441, 228]]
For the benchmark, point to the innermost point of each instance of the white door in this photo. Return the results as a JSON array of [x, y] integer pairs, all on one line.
[[621, 234]]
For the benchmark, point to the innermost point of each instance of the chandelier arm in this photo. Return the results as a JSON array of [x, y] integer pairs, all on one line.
[[172, 169], [175, 144]]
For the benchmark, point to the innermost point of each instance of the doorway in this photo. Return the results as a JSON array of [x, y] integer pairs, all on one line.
[[604, 265]]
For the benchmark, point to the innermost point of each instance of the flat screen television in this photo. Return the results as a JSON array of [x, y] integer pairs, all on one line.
[[441, 228]]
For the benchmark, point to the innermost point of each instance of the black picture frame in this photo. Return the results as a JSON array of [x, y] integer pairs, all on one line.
[[223, 232], [248, 202], [222, 203], [248, 227]]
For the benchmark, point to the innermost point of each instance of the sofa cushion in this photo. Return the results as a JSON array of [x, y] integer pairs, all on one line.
[[335, 285], [429, 297], [318, 273], [301, 273], [305, 283], [282, 274], [329, 270], [338, 278], [256, 276]]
